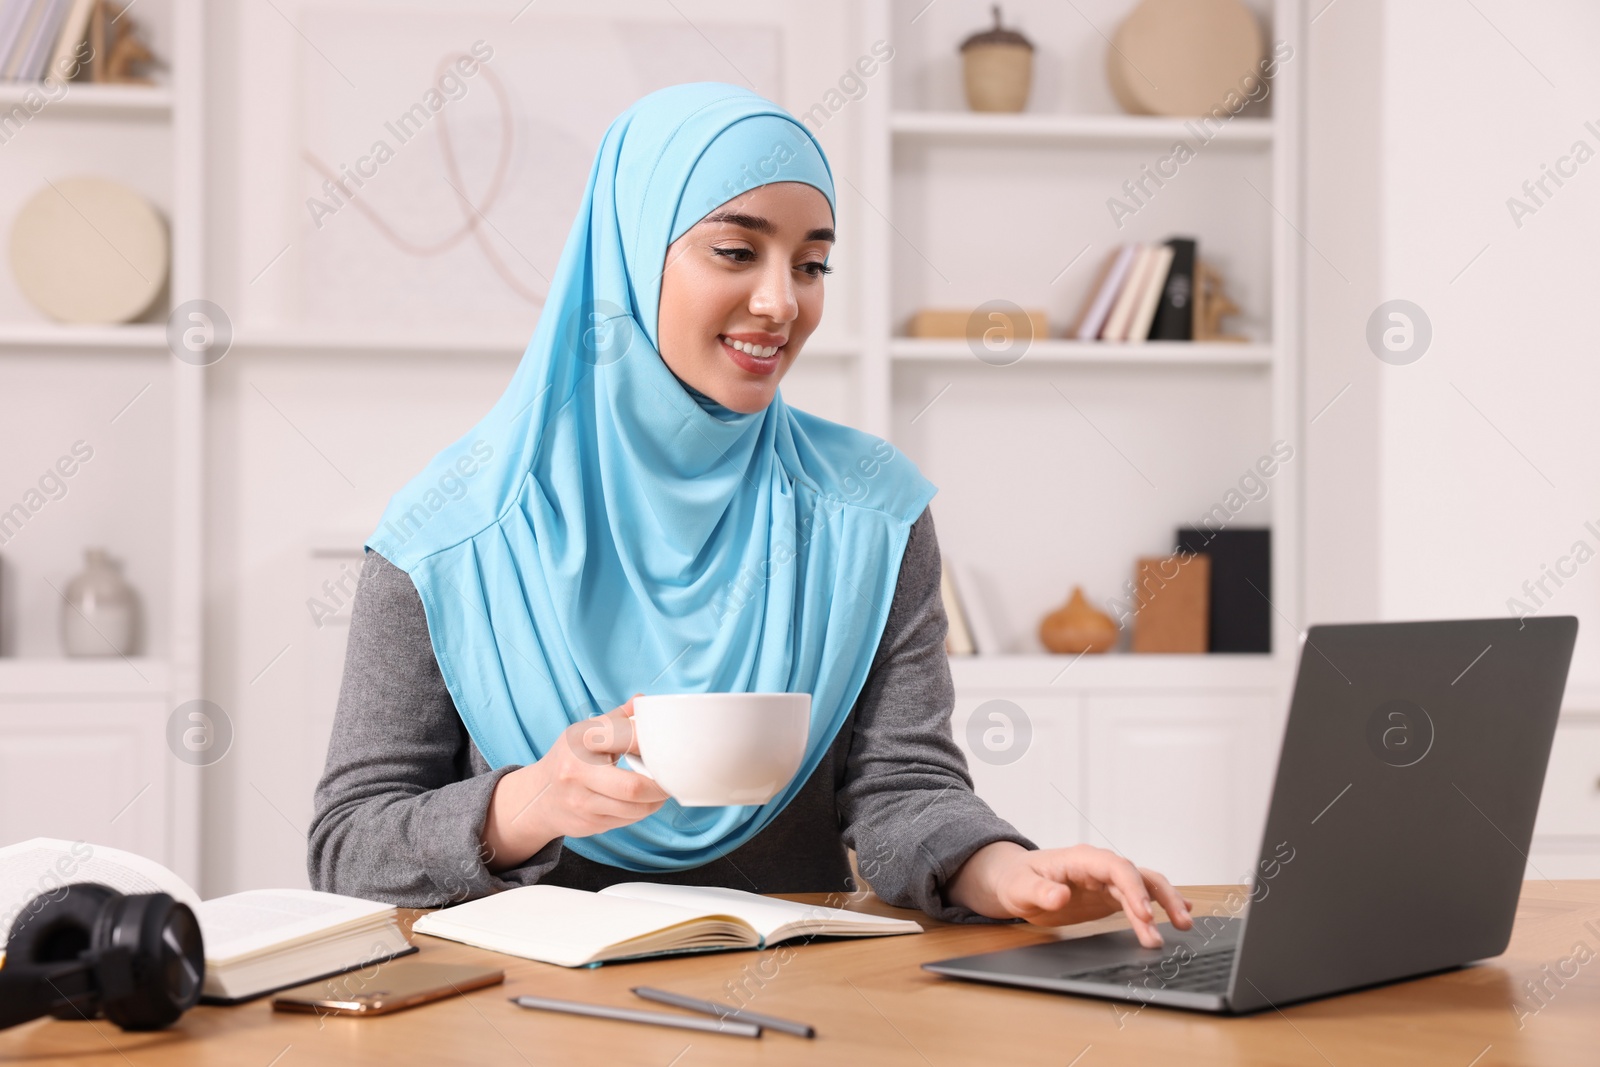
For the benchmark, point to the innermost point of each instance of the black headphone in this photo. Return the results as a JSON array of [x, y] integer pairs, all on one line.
[[85, 949]]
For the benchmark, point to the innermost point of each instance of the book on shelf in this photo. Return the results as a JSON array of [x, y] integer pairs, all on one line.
[[33, 35], [1174, 320], [10, 27], [1116, 328], [38, 37], [958, 638], [12, 17], [1240, 609], [1174, 610], [256, 942], [1091, 316], [975, 608], [73, 29], [1141, 293], [1150, 295], [637, 920]]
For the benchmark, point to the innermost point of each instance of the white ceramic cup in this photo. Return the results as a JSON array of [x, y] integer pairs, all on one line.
[[715, 749]]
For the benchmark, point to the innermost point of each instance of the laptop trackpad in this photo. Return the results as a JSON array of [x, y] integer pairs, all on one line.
[[1211, 933]]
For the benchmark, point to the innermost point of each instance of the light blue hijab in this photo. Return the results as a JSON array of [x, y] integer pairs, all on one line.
[[606, 530]]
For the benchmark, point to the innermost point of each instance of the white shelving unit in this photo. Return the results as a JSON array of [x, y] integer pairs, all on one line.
[[1059, 350], [1073, 129], [896, 120], [105, 721], [425, 347], [132, 101], [24, 338], [1165, 758]]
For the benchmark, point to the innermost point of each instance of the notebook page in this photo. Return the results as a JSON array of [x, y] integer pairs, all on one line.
[[556, 924], [767, 914]]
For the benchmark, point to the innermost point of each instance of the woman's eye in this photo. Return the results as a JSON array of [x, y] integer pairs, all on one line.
[[814, 269]]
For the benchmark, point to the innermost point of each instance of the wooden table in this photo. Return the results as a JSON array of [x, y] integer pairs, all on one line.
[[873, 1006]]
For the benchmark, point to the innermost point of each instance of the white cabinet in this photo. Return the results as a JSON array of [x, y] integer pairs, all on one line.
[[1023, 753], [1178, 782], [1167, 760], [90, 771], [1566, 836]]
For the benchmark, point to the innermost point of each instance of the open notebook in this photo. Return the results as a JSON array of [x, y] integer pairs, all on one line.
[[632, 920], [256, 942]]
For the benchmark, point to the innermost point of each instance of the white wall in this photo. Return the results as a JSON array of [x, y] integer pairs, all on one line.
[[1341, 382], [1489, 467]]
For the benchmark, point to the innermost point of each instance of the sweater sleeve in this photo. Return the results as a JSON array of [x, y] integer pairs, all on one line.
[[907, 802], [399, 810]]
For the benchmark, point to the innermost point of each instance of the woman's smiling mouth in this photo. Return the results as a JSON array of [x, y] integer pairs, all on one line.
[[756, 353]]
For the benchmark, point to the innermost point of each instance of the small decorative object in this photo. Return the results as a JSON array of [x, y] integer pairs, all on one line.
[[118, 53], [1211, 305], [89, 250], [101, 612], [1173, 595], [1076, 627], [997, 68], [1184, 57]]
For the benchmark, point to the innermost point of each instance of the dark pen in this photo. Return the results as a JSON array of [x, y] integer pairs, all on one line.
[[722, 1011]]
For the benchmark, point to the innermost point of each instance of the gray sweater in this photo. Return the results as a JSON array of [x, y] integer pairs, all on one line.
[[400, 809]]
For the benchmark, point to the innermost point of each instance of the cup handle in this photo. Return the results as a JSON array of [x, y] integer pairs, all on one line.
[[636, 764]]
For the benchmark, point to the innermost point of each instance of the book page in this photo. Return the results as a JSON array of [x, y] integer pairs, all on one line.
[[44, 865], [560, 925], [260, 919], [768, 915]]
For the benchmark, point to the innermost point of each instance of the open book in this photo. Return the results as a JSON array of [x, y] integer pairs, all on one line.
[[631, 920], [258, 941]]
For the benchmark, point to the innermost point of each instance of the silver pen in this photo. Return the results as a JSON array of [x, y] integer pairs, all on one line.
[[631, 1015], [722, 1011]]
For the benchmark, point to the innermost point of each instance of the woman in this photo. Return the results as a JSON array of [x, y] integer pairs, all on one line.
[[641, 511]]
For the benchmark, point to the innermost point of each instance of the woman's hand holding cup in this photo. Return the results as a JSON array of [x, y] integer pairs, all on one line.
[[574, 790]]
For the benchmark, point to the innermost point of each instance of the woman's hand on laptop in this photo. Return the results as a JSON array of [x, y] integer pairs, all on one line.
[[574, 790], [1058, 886]]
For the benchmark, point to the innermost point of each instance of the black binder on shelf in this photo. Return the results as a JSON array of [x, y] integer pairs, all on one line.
[[1241, 585], [1174, 319]]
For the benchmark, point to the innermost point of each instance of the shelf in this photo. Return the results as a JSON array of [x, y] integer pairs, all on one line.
[[142, 336], [152, 337], [1128, 672], [97, 677], [312, 340], [114, 101], [322, 342], [1136, 130], [1118, 671], [1060, 351]]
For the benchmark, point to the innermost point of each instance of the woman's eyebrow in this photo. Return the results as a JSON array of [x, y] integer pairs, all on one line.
[[764, 225]]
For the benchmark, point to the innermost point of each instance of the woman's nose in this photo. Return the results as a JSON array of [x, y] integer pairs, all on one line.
[[774, 297]]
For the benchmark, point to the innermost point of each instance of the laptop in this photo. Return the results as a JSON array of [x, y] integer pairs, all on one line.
[[1396, 839]]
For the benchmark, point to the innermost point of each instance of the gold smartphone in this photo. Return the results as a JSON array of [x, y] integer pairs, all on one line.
[[395, 987]]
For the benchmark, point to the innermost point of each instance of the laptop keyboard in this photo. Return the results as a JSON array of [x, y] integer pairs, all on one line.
[[1205, 972]]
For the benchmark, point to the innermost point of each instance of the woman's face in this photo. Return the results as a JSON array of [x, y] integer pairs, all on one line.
[[742, 290]]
